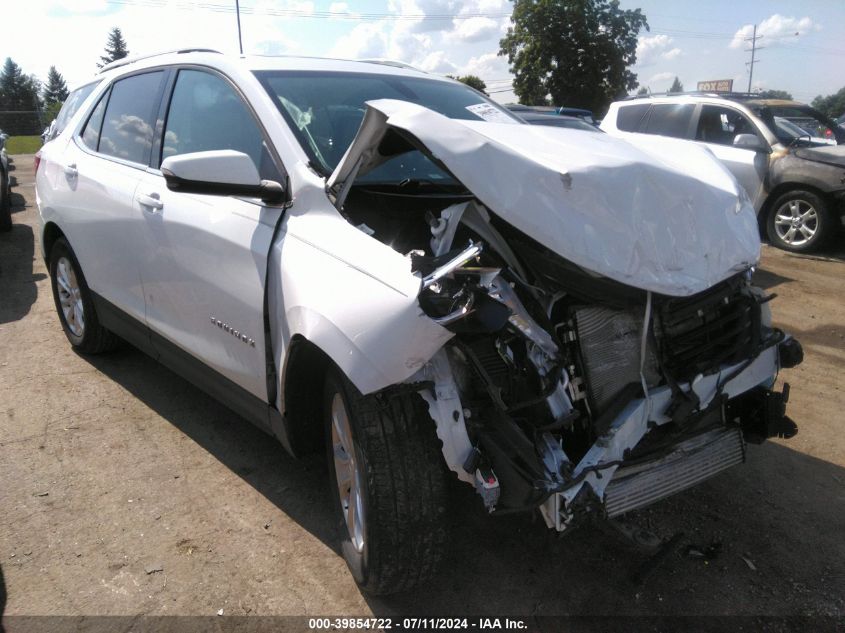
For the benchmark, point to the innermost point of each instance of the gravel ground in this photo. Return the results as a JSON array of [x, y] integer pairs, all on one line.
[[126, 491]]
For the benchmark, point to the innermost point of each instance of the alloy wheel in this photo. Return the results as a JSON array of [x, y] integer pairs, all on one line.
[[796, 222], [70, 297], [347, 473]]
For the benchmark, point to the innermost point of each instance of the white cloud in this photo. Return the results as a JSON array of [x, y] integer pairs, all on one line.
[[659, 77], [476, 29], [366, 40], [486, 66], [775, 27], [339, 7], [651, 49], [437, 62]]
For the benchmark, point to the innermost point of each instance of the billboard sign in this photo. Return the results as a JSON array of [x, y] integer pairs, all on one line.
[[716, 85]]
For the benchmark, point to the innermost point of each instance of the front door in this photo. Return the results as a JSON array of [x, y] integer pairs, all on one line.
[[717, 127], [205, 270]]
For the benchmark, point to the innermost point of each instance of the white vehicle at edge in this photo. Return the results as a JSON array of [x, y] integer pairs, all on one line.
[[386, 263]]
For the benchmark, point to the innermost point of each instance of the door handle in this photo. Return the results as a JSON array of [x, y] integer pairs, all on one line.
[[150, 201], [70, 171]]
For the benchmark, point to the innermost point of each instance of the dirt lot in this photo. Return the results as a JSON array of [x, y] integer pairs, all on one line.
[[111, 467]]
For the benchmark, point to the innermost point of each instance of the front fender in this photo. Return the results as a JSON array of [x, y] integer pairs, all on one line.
[[351, 296]]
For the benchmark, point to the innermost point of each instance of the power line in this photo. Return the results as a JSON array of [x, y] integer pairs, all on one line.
[[300, 13]]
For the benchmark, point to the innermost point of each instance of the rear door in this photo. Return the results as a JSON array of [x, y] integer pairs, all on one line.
[[716, 128], [205, 266], [96, 177]]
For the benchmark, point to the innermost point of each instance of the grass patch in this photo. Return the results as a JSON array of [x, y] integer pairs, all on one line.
[[23, 144]]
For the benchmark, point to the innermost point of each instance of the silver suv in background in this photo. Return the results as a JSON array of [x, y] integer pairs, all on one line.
[[789, 157]]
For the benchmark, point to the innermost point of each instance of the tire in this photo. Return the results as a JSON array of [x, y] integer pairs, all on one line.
[[804, 216], [5, 204], [85, 334], [402, 482]]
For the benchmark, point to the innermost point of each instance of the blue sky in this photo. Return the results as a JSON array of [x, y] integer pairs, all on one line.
[[804, 41]]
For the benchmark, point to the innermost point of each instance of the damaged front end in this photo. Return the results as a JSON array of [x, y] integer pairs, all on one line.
[[565, 387]]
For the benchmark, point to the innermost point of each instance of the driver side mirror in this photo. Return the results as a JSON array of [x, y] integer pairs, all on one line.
[[749, 141], [219, 173]]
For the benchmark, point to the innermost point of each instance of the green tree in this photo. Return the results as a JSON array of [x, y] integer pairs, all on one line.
[[578, 52], [642, 91], [115, 48], [832, 105], [51, 111], [775, 94], [677, 86], [56, 89], [20, 104], [473, 81]]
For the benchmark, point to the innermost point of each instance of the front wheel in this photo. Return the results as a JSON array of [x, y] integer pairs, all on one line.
[[799, 221], [388, 485]]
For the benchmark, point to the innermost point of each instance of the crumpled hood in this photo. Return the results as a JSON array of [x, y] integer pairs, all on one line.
[[659, 216], [831, 154]]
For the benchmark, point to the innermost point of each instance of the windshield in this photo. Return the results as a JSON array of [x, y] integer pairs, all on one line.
[[325, 109], [800, 125]]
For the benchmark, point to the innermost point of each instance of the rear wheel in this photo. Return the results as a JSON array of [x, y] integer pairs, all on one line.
[[388, 485], [799, 221], [74, 303], [5, 204]]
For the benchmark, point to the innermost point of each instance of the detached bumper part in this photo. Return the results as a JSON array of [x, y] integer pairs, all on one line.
[[790, 353], [762, 414]]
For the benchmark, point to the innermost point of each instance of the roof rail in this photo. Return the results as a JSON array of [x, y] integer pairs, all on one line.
[[390, 62], [697, 93], [131, 60]]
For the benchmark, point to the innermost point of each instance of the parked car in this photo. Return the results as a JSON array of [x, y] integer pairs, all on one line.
[[5, 187], [578, 113], [794, 177], [581, 113], [391, 266], [557, 120]]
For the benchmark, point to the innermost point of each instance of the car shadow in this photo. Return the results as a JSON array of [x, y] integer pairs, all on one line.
[[18, 282], [767, 280], [765, 515]]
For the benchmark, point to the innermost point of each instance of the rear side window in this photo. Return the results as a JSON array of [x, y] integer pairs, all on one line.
[[207, 114], [628, 118], [127, 131], [91, 132], [669, 119], [70, 107]]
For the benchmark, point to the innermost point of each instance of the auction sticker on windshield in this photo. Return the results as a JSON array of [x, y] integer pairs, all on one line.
[[489, 113]]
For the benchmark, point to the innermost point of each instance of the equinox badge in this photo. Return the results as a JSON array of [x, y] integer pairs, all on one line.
[[237, 334]]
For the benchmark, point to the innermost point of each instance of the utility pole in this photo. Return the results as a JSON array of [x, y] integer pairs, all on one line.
[[238, 13], [753, 50]]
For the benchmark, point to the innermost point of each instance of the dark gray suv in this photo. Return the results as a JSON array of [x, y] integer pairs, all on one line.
[[789, 157]]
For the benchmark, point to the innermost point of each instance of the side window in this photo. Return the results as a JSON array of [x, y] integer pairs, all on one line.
[[128, 124], [207, 114], [70, 108], [628, 118], [720, 125], [91, 133], [669, 119]]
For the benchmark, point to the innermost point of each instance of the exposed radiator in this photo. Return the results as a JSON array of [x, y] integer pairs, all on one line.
[[692, 462], [610, 346]]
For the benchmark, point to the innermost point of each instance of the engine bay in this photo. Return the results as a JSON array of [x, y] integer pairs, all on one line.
[[546, 356]]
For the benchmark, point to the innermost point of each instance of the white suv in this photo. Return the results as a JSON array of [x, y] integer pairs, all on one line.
[[788, 156], [387, 263]]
